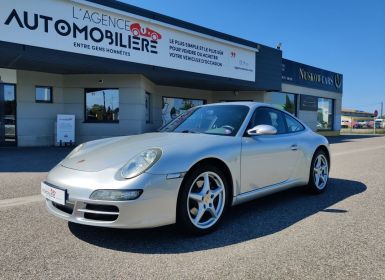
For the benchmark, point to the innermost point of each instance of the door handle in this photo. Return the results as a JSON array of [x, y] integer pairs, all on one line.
[[294, 147]]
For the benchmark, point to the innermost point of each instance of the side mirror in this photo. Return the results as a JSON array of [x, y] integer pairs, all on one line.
[[262, 129]]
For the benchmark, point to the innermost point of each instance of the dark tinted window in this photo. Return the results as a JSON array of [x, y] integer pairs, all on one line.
[[284, 101], [292, 124], [268, 116], [102, 105]]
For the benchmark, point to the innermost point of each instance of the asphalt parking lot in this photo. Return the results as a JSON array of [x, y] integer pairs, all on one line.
[[292, 235]]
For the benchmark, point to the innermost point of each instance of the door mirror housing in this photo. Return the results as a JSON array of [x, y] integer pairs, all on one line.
[[262, 129]]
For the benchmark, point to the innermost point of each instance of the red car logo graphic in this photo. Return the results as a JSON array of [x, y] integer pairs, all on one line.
[[137, 30], [52, 193]]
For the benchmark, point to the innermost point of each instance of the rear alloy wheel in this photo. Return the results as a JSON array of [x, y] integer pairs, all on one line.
[[319, 173], [202, 200]]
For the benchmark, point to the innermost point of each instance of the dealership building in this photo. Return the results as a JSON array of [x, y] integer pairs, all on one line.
[[120, 70]]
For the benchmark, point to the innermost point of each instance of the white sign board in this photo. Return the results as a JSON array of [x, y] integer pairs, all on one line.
[[81, 27], [65, 128]]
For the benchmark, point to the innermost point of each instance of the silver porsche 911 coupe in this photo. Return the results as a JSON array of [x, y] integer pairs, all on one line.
[[190, 172]]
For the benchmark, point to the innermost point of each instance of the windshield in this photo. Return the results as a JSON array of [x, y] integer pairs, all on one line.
[[215, 119]]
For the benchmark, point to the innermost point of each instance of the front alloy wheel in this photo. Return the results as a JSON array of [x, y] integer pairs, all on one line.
[[202, 200]]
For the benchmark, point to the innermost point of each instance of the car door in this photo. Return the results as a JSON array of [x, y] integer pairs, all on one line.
[[267, 159]]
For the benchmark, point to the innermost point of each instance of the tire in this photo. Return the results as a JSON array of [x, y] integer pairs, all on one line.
[[319, 173], [201, 206]]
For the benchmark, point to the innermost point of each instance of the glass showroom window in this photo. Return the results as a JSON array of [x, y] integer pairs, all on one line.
[[102, 105], [43, 94], [325, 114], [285, 101], [173, 107]]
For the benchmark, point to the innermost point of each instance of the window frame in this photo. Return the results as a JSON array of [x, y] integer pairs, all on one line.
[[332, 114], [4, 143], [44, 101], [88, 90]]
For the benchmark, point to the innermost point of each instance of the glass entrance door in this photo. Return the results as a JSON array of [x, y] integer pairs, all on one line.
[[7, 115]]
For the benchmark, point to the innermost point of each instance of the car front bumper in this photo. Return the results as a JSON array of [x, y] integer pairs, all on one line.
[[155, 207]]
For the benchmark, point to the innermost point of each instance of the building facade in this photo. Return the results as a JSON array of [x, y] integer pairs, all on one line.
[[352, 118], [123, 70]]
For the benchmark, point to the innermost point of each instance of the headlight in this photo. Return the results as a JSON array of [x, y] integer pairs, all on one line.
[[140, 163], [116, 195], [74, 151]]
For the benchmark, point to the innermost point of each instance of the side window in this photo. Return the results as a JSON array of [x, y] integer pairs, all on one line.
[[268, 116], [293, 125]]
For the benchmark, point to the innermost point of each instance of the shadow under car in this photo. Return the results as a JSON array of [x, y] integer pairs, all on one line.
[[244, 222]]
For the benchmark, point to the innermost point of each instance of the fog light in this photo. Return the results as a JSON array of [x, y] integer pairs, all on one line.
[[116, 195]]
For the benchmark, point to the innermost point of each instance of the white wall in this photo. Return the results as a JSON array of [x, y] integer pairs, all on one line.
[[131, 104], [36, 121]]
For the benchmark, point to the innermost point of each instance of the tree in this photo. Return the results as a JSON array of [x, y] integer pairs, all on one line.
[[289, 106]]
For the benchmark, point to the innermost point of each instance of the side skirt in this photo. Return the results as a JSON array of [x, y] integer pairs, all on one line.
[[244, 197]]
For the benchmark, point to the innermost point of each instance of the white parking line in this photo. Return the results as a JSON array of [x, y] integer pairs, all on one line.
[[354, 151], [20, 201]]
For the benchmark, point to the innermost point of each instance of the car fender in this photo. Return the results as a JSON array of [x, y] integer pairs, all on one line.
[[180, 161]]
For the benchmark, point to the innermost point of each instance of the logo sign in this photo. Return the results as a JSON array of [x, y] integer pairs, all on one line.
[[81, 27], [308, 76], [315, 77], [338, 81], [375, 113]]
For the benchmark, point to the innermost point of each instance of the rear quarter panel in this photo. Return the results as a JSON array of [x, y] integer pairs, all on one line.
[[309, 142]]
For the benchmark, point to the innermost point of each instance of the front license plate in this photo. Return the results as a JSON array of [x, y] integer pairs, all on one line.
[[53, 194]]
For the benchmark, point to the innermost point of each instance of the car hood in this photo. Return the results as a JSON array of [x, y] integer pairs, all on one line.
[[115, 152]]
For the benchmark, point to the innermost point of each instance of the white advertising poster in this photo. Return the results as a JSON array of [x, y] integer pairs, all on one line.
[[86, 28], [65, 126]]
